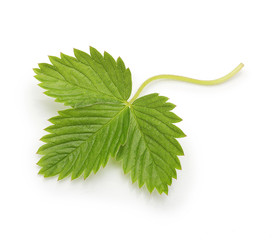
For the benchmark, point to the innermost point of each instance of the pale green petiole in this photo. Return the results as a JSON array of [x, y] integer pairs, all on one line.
[[186, 79]]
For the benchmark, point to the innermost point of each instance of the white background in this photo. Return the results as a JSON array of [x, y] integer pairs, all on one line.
[[228, 188]]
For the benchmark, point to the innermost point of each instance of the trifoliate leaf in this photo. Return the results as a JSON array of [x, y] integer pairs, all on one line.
[[103, 124]]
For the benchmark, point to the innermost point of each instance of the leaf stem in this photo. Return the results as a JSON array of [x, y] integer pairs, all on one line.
[[186, 79]]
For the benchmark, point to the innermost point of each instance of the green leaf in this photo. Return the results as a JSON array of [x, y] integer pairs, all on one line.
[[85, 79], [83, 139], [151, 150], [101, 123]]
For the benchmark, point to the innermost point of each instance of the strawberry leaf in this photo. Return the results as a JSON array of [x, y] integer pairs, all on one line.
[[102, 123]]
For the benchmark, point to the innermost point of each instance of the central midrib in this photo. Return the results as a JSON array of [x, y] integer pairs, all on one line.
[[143, 135]]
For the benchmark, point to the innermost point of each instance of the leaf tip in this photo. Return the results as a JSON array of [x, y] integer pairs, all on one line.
[[37, 70], [52, 59], [41, 172], [39, 151]]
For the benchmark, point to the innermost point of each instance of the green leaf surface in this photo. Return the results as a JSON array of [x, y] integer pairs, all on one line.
[[101, 123], [83, 139], [85, 79], [151, 150]]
